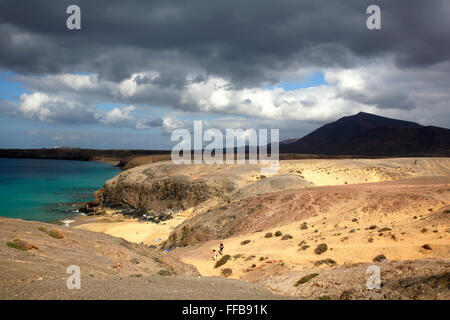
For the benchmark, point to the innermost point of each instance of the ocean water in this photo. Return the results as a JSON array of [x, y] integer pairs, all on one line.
[[49, 190]]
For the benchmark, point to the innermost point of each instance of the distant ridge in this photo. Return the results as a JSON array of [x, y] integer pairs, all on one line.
[[372, 135]]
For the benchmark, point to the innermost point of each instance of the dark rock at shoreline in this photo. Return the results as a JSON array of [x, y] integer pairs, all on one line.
[[153, 189]]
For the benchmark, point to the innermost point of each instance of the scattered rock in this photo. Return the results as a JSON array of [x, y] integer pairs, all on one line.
[[278, 233], [268, 235], [245, 242]]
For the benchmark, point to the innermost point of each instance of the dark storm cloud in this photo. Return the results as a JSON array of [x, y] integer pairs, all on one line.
[[249, 42]]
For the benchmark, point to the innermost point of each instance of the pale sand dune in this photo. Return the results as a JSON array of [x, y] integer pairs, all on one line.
[[323, 172]]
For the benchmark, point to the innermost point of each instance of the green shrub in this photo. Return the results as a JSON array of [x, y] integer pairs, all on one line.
[[278, 233], [164, 272], [305, 279], [328, 261], [42, 229]]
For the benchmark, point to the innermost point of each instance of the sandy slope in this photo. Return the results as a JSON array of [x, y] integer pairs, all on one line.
[[111, 268], [323, 172], [404, 211]]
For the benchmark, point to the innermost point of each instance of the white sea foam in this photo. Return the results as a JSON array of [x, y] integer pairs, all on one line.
[[67, 222]]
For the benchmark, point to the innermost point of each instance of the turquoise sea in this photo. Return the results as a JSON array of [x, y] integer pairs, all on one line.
[[49, 190]]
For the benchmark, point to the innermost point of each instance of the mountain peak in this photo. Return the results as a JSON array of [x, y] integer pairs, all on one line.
[[369, 134]]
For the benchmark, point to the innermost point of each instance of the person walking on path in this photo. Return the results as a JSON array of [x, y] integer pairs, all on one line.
[[221, 249], [214, 255]]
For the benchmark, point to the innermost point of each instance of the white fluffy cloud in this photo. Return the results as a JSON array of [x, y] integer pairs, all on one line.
[[379, 87], [50, 108], [116, 116]]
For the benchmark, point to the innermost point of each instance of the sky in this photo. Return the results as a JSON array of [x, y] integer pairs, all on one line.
[[137, 70]]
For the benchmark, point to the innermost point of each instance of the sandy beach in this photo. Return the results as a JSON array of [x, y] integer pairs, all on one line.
[[130, 229]]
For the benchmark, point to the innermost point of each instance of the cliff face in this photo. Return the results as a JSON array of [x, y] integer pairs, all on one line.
[[160, 187]]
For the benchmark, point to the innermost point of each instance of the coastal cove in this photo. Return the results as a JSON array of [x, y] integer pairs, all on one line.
[[49, 190]]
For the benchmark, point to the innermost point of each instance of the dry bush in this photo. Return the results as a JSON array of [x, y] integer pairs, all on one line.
[[21, 245], [222, 261], [245, 242], [227, 272], [56, 234], [379, 258], [328, 261]]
